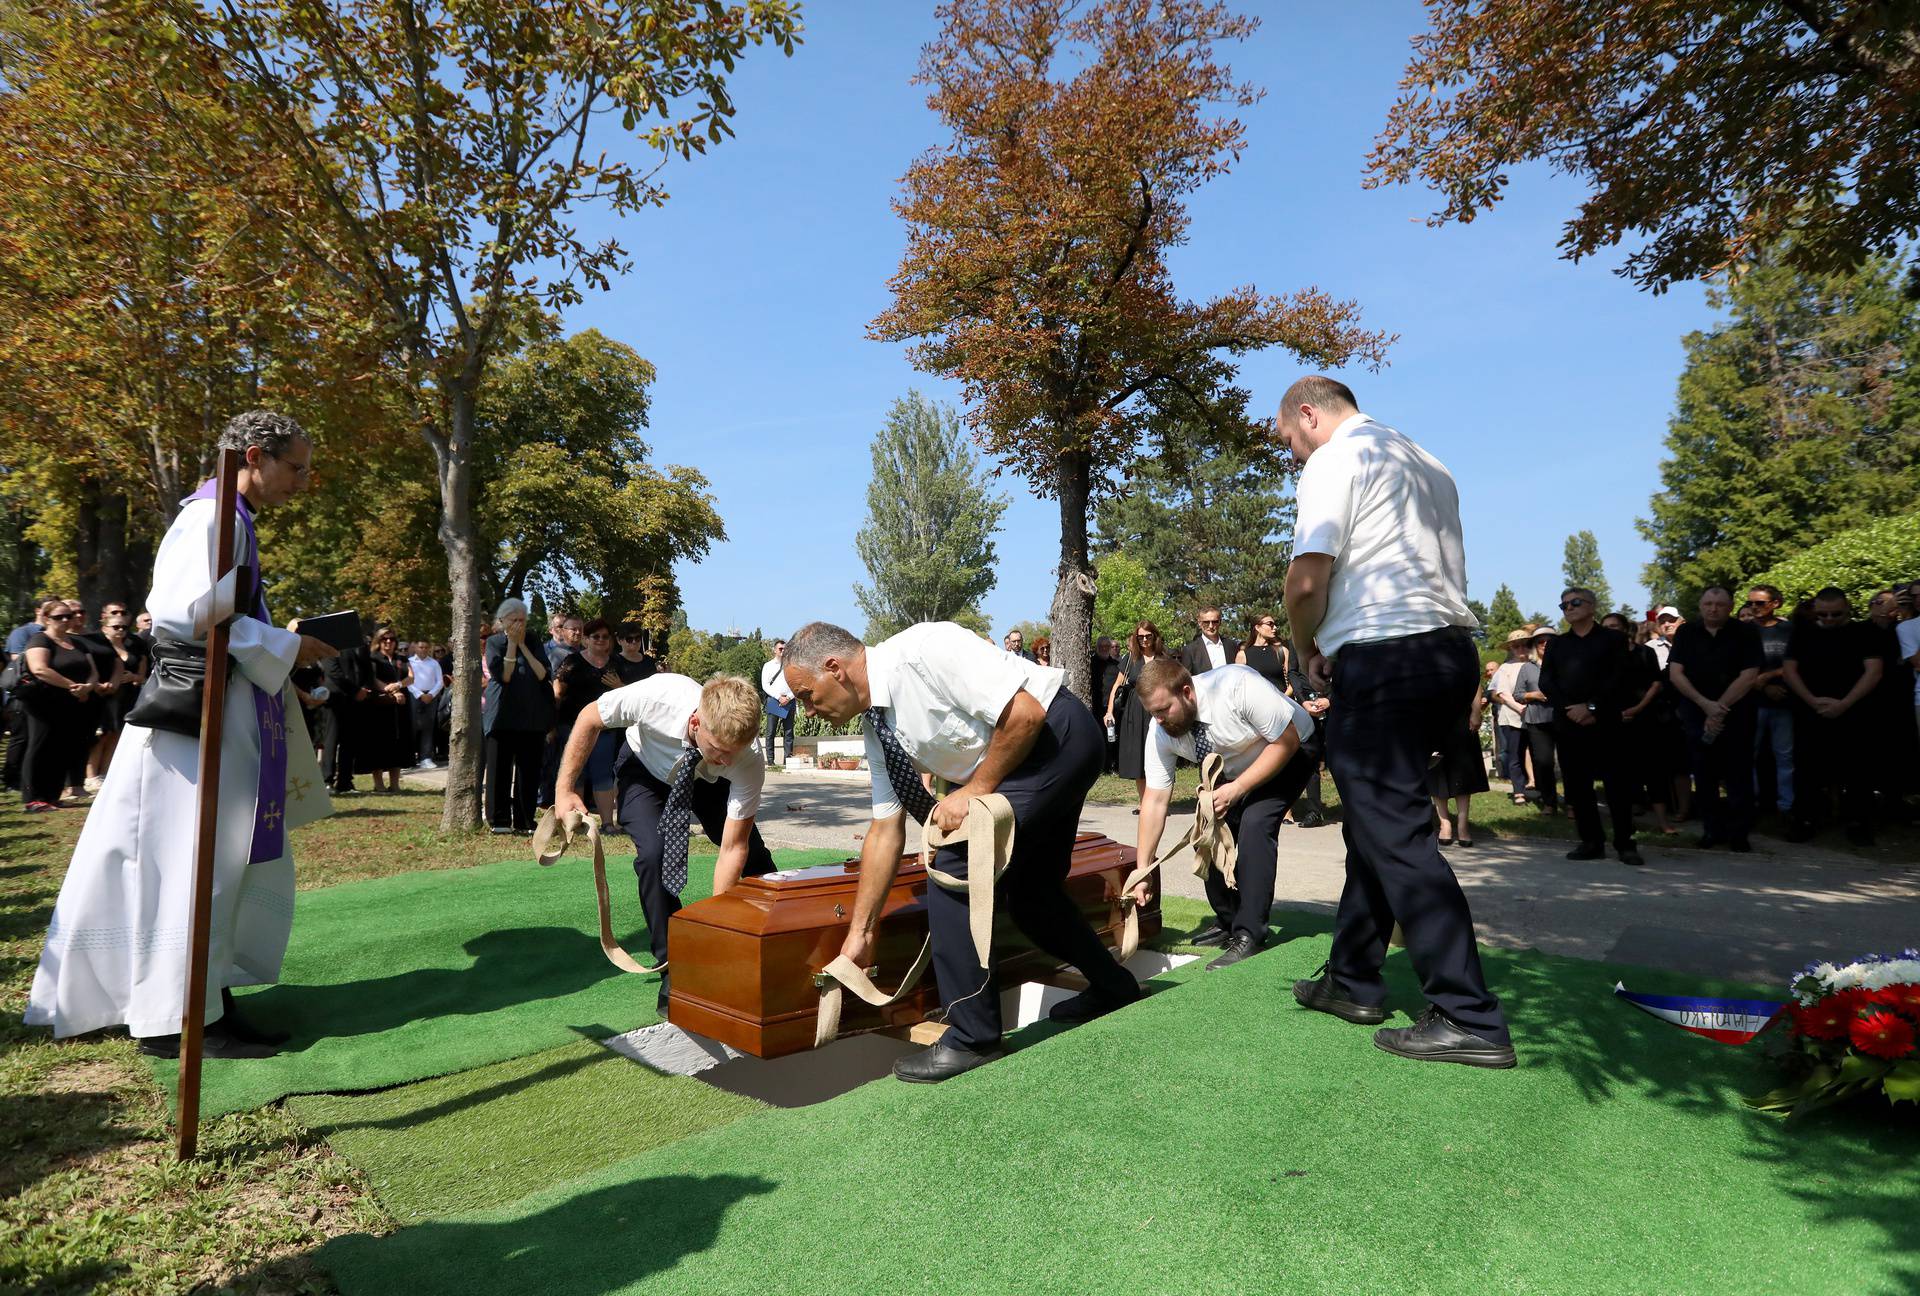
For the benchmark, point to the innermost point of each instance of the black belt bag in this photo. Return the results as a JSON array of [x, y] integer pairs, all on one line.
[[174, 695]]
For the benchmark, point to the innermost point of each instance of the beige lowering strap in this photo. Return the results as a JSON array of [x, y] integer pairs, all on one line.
[[989, 836], [547, 851], [1213, 848]]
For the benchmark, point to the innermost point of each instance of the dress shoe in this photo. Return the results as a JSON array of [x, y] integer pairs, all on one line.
[[1241, 945], [237, 1025], [215, 1043], [1741, 846], [1323, 995], [1860, 835], [1089, 1004], [1437, 1038], [1798, 830], [1588, 851], [1212, 934], [1707, 842], [943, 1061], [1628, 855]]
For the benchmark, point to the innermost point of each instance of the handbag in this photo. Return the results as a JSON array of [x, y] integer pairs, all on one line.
[[174, 694], [16, 674]]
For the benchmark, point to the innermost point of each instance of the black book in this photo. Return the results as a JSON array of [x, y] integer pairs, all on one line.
[[340, 629]]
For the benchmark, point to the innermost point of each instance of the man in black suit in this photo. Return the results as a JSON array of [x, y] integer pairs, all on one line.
[[348, 676], [1208, 649]]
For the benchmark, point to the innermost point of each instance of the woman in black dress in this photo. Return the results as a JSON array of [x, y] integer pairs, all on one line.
[[1131, 731], [1652, 738], [595, 669], [65, 682], [128, 669], [1262, 649], [517, 713], [1458, 773], [385, 739]]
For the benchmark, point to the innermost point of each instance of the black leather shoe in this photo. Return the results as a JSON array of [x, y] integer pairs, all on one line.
[[216, 1043], [1437, 1038], [1628, 855], [1741, 846], [1322, 995], [237, 1025], [1087, 1005], [1242, 945], [1212, 934], [1707, 842], [1587, 851], [942, 1062]]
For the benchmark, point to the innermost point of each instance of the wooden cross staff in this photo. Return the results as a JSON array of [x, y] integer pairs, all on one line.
[[213, 711]]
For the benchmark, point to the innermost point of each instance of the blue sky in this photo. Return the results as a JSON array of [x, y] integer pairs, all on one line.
[[1545, 386]]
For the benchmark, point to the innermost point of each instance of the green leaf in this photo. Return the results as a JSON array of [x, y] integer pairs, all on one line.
[[1902, 1083]]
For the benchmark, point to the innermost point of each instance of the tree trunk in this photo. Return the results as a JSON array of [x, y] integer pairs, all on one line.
[[1072, 617], [454, 458]]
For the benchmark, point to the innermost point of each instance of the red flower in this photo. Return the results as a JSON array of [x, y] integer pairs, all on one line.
[[1900, 998], [1883, 1035], [1830, 1018]]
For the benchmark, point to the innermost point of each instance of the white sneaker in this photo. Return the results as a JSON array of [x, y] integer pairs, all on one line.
[[93, 783], [427, 764]]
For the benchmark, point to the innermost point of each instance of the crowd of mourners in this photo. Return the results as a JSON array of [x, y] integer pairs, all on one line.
[[1813, 712]]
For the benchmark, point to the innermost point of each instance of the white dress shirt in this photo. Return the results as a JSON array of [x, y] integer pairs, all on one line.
[[427, 676], [943, 689], [1907, 635], [1216, 652], [773, 680], [1242, 712], [655, 712], [1388, 514]]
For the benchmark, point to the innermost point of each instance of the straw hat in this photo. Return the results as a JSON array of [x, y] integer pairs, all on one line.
[[1519, 636]]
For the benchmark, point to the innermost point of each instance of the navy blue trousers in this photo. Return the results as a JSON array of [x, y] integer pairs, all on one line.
[[1396, 701], [1047, 791], [641, 797]]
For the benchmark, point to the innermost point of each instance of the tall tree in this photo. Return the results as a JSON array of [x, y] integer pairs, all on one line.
[[448, 148], [1798, 417], [1036, 270], [1212, 526], [1503, 617], [1129, 594], [1581, 566], [931, 518], [141, 302], [1706, 129]]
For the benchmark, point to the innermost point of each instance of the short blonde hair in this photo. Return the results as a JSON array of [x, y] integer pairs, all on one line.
[[730, 709]]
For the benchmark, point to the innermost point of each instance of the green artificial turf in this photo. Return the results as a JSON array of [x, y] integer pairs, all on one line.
[[423, 974], [1219, 1138], [487, 1136]]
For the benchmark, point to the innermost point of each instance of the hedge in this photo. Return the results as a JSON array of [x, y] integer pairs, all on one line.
[[1862, 562]]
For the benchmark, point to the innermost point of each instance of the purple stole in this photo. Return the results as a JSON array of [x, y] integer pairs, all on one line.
[[269, 710]]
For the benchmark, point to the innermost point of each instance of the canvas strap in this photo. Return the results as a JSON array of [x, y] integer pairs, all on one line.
[[1213, 848], [988, 832], [555, 837]]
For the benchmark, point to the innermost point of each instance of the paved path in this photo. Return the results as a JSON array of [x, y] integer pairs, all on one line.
[[1752, 917]]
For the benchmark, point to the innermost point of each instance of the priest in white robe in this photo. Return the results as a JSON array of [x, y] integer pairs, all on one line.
[[117, 947]]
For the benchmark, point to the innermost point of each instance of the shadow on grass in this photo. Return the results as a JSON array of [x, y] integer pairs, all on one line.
[[513, 966], [43, 1131], [586, 1245], [422, 1115]]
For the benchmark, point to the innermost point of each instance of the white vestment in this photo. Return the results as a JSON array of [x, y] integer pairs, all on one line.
[[116, 950]]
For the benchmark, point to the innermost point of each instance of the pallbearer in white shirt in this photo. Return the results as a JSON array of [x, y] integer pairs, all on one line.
[[689, 755], [938, 698], [1377, 599], [1257, 732]]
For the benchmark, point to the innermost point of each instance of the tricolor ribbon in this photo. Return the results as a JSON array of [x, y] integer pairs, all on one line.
[[1729, 1021]]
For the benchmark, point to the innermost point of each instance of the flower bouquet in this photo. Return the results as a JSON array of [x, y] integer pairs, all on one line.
[[1852, 1029]]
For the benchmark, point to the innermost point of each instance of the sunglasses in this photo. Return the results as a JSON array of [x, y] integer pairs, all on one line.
[[1760, 602], [60, 616], [1572, 603]]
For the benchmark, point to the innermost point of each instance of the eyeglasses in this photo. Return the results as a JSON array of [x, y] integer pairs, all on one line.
[[1209, 620], [1269, 621], [1566, 604], [1760, 602]]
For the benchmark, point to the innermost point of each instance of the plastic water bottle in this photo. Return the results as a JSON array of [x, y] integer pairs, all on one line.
[[1112, 734]]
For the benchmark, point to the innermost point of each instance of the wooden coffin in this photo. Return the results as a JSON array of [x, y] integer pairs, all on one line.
[[743, 963]]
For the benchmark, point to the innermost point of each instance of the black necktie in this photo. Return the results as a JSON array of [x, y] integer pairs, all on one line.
[[901, 771], [675, 818]]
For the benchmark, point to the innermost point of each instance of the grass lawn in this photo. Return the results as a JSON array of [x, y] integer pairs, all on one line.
[[90, 1197]]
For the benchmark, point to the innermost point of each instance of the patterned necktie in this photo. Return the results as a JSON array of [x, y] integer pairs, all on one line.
[[901, 771], [675, 818], [1201, 743]]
